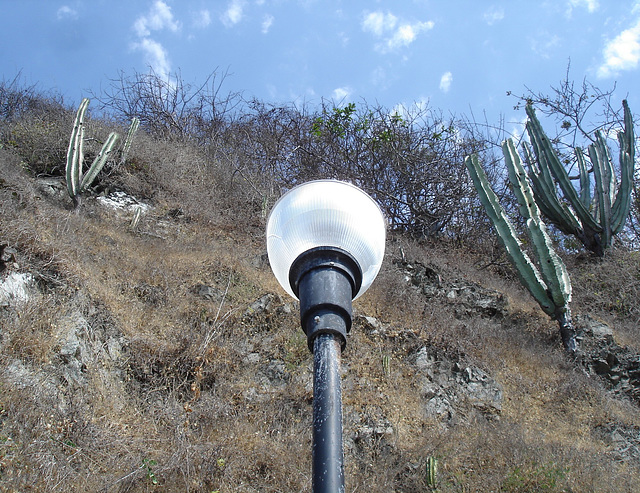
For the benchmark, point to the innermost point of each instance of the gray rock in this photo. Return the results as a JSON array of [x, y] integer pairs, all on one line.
[[273, 374], [16, 288], [208, 292], [252, 358], [447, 386], [53, 187], [469, 297], [262, 305], [594, 329]]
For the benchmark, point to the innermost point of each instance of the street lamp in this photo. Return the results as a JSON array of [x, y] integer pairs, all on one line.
[[325, 241]]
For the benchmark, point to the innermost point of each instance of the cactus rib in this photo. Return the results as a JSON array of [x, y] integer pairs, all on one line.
[[585, 187]]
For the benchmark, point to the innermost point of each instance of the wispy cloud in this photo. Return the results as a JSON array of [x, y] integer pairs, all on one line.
[[621, 53], [590, 5], [158, 18], [544, 44], [201, 19], [493, 15], [341, 93], [445, 81], [234, 13], [393, 32], [155, 56], [267, 22], [66, 12], [379, 23]]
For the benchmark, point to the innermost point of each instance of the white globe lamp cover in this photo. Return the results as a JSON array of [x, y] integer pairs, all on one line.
[[326, 213]]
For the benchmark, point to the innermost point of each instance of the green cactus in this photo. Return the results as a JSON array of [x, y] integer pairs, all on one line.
[[594, 221], [77, 182], [432, 472], [133, 128], [548, 282], [386, 365]]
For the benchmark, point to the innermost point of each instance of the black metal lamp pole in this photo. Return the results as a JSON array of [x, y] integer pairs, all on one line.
[[325, 241], [326, 279], [328, 458]]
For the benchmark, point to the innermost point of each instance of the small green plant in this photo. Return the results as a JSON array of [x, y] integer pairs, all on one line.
[[548, 282], [336, 123], [148, 465], [432, 472], [297, 351], [543, 478], [77, 181], [386, 365]]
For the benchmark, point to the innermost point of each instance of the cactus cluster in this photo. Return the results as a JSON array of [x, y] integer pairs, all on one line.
[[77, 181], [592, 218], [548, 281]]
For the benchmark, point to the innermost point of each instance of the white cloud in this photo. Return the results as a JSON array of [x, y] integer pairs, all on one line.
[[406, 34], [378, 23], [66, 12], [202, 19], [590, 5], [545, 44], [155, 56], [445, 81], [341, 93], [621, 53], [267, 22], [518, 126], [158, 18], [233, 14], [394, 34], [493, 15]]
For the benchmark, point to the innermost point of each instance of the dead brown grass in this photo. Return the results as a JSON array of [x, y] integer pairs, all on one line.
[[199, 393]]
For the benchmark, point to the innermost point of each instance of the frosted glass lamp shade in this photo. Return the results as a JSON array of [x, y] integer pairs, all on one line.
[[326, 213]]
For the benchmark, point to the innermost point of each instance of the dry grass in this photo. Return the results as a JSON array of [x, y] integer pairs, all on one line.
[[180, 389], [609, 289]]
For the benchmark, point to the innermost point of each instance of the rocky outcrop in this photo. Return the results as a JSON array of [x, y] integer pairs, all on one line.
[[616, 365], [447, 386], [468, 298]]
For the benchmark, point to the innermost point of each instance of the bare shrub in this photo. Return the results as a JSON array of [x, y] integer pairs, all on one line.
[[610, 288], [170, 108], [34, 124]]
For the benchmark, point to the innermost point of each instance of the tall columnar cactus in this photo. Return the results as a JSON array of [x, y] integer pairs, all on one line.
[[548, 282], [77, 181], [133, 128], [594, 221]]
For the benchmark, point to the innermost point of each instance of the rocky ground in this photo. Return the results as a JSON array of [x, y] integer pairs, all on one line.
[[216, 394]]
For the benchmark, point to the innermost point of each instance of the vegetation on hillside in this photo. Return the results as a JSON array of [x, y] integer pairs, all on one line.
[[150, 348]]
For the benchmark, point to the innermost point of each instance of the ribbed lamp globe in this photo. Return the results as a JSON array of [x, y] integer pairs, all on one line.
[[326, 213]]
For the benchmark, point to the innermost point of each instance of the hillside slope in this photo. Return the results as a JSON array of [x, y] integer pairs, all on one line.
[[163, 356]]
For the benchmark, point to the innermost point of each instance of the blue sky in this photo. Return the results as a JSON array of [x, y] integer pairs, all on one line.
[[461, 56]]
